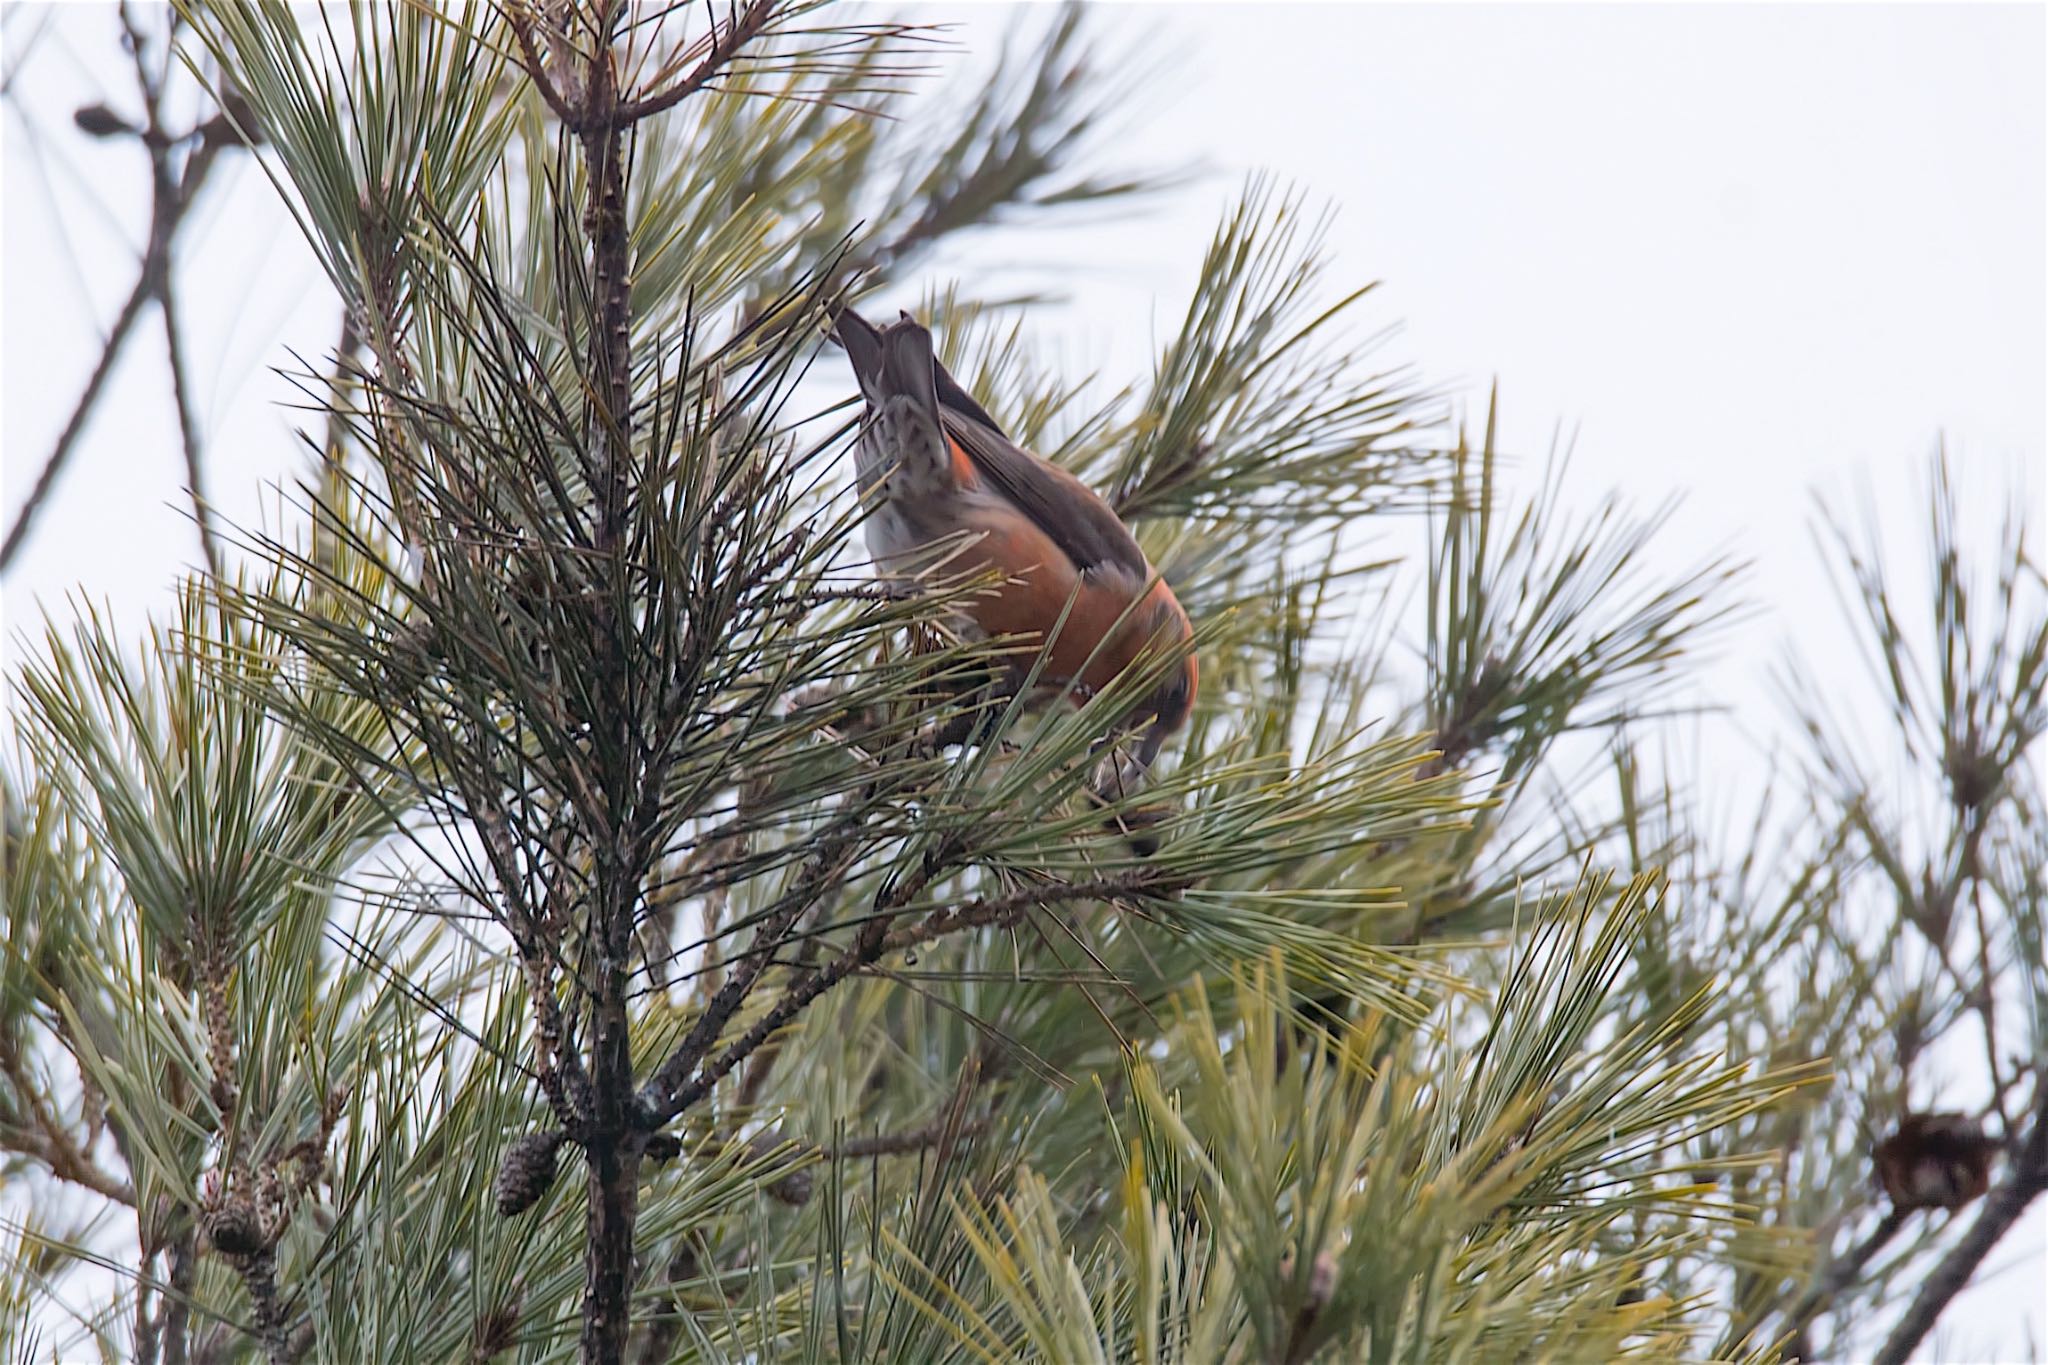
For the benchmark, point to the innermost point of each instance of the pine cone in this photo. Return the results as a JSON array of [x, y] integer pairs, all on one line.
[[526, 1172], [1935, 1161], [232, 1227]]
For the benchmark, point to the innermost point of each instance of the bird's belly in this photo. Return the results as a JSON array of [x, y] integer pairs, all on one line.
[[902, 541]]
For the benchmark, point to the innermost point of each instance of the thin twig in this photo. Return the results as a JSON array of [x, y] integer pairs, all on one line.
[[821, 873], [910, 1140], [763, 1062], [536, 69], [66, 1163], [328, 526], [1002, 911], [560, 1068], [744, 28], [50, 1141], [876, 940], [865, 950]]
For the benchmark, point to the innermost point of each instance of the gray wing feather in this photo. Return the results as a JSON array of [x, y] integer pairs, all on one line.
[[863, 350]]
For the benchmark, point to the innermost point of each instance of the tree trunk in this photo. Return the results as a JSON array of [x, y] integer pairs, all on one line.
[[614, 1183]]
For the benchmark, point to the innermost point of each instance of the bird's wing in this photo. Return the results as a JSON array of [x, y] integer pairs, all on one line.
[[954, 395], [1063, 507]]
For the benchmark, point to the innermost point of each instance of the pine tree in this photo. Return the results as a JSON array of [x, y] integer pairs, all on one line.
[[522, 910]]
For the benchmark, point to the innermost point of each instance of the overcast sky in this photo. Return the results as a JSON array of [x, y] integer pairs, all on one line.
[[1743, 251]]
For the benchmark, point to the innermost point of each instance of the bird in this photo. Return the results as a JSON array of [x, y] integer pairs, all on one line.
[[949, 492]]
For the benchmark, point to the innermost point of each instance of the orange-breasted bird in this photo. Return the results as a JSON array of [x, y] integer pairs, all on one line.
[[945, 483]]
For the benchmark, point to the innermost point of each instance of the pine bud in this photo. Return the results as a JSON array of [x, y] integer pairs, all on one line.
[[96, 120], [526, 1172], [1322, 1281]]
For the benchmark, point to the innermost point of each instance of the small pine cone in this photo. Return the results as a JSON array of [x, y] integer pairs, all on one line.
[[232, 1227], [526, 1172], [497, 1328], [1935, 1161], [794, 1188]]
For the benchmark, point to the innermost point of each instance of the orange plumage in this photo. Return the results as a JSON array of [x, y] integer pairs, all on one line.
[[939, 472]]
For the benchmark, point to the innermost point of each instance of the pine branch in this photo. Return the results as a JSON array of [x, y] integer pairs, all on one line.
[[49, 1140], [1000, 912], [873, 942], [560, 1068], [188, 422], [821, 874], [910, 1140], [2026, 1178]]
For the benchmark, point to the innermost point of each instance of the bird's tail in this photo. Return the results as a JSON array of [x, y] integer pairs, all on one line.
[[890, 362]]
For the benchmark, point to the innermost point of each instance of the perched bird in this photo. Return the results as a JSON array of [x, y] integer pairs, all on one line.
[[951, 494]]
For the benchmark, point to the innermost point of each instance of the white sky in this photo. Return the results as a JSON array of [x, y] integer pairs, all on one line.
[[1745, 251]]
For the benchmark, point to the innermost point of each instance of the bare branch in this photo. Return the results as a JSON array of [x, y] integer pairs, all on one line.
[[910, 1140], [821, 873], [67, 439], [49, 1140], [188, 425], [171, 199]]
